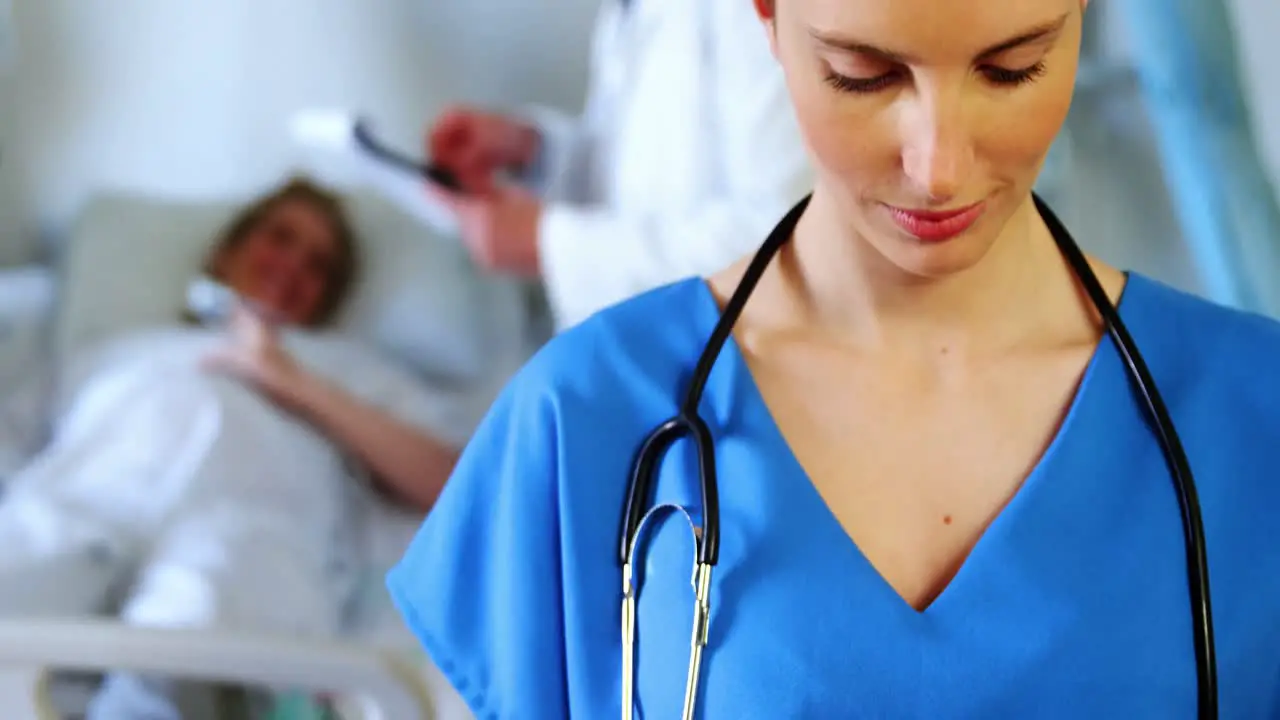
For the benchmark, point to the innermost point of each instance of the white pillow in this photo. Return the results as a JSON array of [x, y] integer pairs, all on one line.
[[129, 258]]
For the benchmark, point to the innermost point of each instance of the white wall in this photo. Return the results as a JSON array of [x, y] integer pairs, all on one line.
[[190, 97]]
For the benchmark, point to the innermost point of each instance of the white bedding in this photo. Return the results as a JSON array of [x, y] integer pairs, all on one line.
[[146, 436]]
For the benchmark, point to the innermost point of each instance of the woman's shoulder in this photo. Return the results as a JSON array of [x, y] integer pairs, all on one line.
[[648, 341], [1216, 369], [1199, 330], [1208, 356], [1187, 307]]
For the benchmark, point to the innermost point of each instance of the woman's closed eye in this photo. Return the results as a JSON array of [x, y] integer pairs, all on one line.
[[994, 74], [1004, 76]]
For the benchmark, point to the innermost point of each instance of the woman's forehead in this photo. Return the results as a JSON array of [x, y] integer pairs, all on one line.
[[929, 28]]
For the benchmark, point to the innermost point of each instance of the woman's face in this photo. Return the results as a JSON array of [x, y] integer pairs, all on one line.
[[928, 120], [285, 263]]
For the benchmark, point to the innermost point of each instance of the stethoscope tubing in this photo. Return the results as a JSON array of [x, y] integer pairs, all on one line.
[[688, 423]]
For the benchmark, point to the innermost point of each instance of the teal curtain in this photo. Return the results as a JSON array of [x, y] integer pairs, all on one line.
[[1188, 68]]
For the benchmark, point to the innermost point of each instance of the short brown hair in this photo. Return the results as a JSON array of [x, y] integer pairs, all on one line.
[[327, 203]]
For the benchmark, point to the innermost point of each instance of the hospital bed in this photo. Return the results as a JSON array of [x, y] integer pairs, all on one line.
[[125, 267]]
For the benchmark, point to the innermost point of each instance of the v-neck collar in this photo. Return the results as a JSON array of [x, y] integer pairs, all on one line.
[[732, 371]]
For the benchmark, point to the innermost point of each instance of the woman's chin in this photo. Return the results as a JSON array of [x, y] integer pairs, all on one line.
[[932, 260]]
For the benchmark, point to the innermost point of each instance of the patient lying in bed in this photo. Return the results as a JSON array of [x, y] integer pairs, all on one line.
[[218, 464]]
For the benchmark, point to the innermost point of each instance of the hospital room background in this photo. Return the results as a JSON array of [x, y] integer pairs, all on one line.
[[127, 127]]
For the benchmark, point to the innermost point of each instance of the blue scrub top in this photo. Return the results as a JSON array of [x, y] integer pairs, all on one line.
[[1072, 605]]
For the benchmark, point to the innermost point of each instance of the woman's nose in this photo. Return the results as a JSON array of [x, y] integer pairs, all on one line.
[[937, 149]]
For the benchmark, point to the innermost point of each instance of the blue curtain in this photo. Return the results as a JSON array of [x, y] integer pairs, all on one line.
[[1188, 69]]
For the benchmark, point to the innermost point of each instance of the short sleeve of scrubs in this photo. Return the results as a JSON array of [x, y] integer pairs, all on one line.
[[481, 580]]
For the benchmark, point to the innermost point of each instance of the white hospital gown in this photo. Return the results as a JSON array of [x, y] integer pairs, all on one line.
[[233, 513]]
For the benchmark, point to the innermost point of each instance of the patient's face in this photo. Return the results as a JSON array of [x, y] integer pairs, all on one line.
[[286, 262]]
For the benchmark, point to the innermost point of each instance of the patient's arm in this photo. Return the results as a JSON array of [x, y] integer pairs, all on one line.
[[411, 464]]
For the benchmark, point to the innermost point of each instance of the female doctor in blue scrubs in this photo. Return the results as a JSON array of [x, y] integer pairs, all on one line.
[[940, 495]]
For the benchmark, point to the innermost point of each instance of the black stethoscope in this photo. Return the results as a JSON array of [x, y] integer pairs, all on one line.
[[707, 538]]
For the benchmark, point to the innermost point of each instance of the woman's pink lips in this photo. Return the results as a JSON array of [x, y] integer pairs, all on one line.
[[936, 225]]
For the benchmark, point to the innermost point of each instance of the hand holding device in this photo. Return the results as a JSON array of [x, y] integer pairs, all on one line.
[[214, 304], [337, 130], [500, 228], [396, 176], [253, 351], [478, 146], [209, 301]]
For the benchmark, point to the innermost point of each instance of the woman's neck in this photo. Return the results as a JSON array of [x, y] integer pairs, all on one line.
[[842, 286]]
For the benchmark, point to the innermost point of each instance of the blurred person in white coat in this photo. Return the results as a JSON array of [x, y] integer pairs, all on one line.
[[675, 167]]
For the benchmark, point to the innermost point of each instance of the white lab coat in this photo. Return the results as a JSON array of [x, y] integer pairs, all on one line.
[[686, 155]]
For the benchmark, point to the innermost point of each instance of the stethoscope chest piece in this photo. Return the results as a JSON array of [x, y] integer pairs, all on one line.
[[632, 577]]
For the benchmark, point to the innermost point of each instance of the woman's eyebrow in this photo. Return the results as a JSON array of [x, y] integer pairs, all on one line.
[[1040, 33]]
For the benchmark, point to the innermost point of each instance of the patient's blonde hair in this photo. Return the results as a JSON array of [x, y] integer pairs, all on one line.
[[328, 203]]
